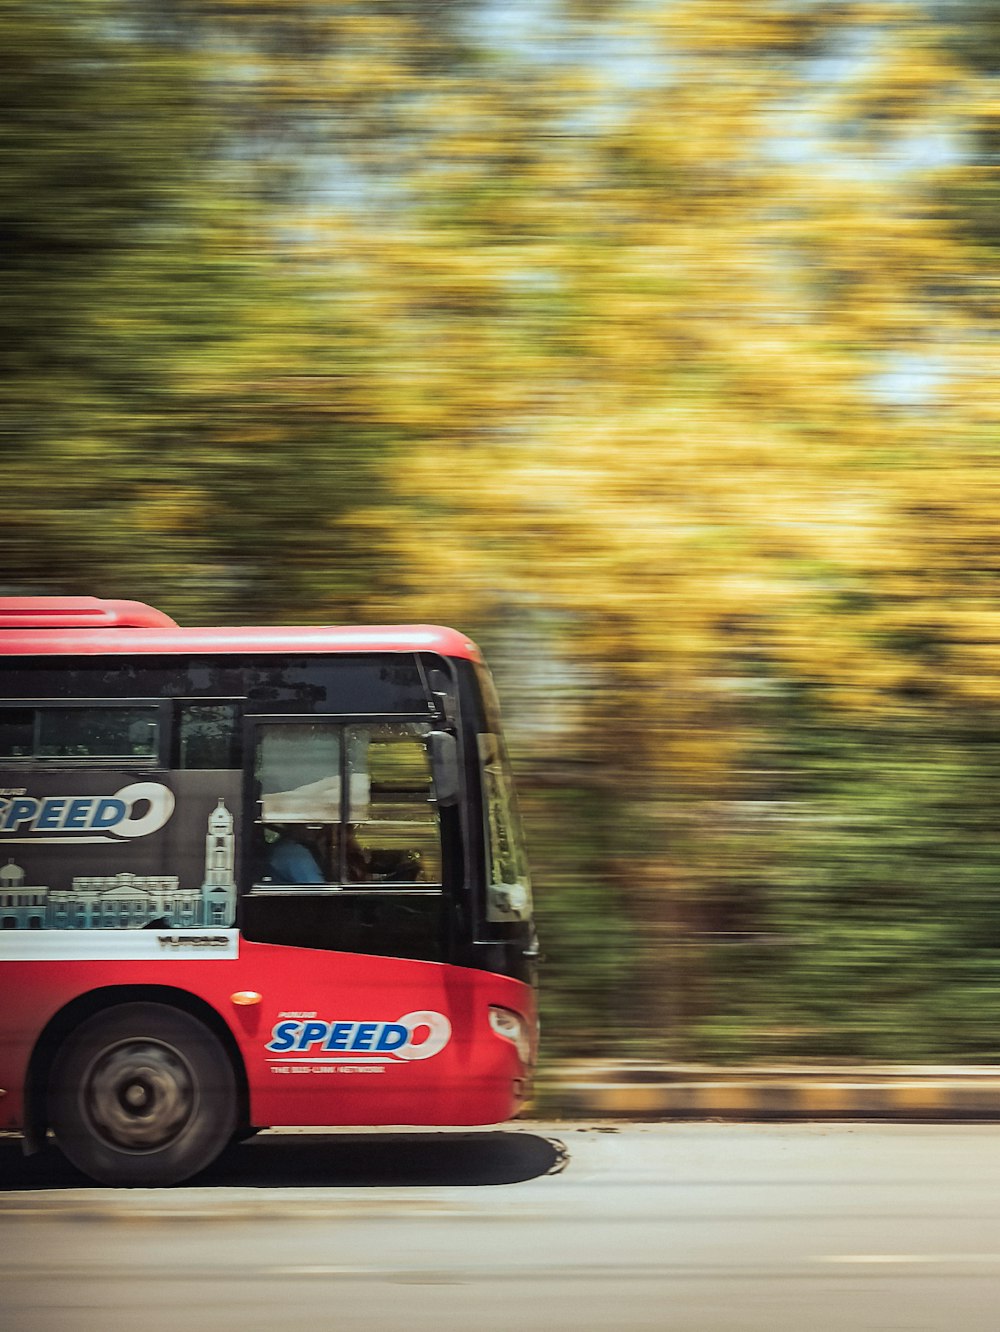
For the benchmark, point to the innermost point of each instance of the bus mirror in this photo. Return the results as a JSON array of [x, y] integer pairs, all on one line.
[[445, 698], [443, 748]]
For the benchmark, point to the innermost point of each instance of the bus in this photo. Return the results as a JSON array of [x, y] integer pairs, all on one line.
[[252, 877]]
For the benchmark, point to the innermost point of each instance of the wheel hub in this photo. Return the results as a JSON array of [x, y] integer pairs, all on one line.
[[139, 1095]]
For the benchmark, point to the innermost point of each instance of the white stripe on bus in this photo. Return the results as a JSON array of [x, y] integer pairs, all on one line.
[[119, 945]]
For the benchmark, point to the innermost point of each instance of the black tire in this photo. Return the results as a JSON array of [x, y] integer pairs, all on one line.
[[142, 1094]]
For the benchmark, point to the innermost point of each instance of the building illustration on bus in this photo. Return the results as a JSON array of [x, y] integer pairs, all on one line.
[[124, 900], [235, 862]]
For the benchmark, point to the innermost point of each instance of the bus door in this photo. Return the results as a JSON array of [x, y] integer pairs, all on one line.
[[344, 864]]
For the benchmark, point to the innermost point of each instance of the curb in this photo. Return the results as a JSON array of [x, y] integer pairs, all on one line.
[[918, 1093]]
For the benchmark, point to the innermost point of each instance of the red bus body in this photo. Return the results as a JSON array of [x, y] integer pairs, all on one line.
[[476, 1079], [437, 1030]]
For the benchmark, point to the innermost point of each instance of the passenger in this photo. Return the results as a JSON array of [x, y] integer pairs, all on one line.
[[301, 849], [293, 857]]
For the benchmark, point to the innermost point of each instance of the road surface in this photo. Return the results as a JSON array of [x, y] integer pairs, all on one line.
[[535, 1228]]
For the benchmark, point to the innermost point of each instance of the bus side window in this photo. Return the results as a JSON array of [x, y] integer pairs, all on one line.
[[209, 736], [93, 731], [358, 799], [98, 733], [17, 732], [297, 776], [393, 818]]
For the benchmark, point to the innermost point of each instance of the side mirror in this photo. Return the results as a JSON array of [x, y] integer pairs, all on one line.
[[445, 697], [443, 749]]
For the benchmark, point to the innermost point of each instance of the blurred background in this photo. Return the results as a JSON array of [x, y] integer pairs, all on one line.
[[653, 344]]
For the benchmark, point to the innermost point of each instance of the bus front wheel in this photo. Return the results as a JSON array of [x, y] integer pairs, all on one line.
[[142, 1094]]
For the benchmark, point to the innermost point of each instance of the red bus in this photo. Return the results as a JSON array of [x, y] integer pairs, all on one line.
[[248, 878]]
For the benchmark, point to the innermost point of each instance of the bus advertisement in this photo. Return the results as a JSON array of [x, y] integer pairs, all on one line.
[[252, 877]]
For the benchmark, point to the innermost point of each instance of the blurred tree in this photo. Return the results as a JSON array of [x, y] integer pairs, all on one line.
[[96, 192], [182, 413], [972, 191], [687, 349]]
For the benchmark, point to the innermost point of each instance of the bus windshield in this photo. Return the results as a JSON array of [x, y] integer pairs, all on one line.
[[508, 888]]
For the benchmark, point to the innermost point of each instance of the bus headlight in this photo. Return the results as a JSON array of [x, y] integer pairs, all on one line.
[[512, 1027]]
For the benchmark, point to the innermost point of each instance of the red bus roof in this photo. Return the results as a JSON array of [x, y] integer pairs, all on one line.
[[40, 626], [88, 612]]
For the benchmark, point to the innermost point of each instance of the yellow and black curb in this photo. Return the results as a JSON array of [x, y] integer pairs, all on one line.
[[625, 1091]]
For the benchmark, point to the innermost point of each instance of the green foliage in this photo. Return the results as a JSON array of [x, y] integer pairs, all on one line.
[[181, 414], [880, 919], [588, 943]]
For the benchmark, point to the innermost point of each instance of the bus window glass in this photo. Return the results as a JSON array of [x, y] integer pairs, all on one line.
[[209, 736], [98, 733], [393, 816], [509, 889], [298, 770], [17, 732], [391, 834]]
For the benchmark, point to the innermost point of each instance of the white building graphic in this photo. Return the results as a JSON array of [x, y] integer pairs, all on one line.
[[23, 906], [122, 902], [218, 892], [126, 901]]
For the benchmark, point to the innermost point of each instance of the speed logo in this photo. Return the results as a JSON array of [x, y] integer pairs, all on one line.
[[417, 1035]]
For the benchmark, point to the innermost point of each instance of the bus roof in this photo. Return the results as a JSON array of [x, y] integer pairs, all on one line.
[[43, 626], [82, 612]]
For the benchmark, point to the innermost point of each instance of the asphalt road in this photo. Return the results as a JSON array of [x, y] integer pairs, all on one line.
[[700, 1227]]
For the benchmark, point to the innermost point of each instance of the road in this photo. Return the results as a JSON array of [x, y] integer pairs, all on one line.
[[701, 1227]]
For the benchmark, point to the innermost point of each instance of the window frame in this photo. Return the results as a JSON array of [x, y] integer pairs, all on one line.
[[252, 726], [156, 761]]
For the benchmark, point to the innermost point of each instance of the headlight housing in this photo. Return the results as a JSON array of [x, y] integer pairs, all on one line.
[[512, 1027]]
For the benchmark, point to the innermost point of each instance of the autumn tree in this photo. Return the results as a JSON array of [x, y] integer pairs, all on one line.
[[681, 357]]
